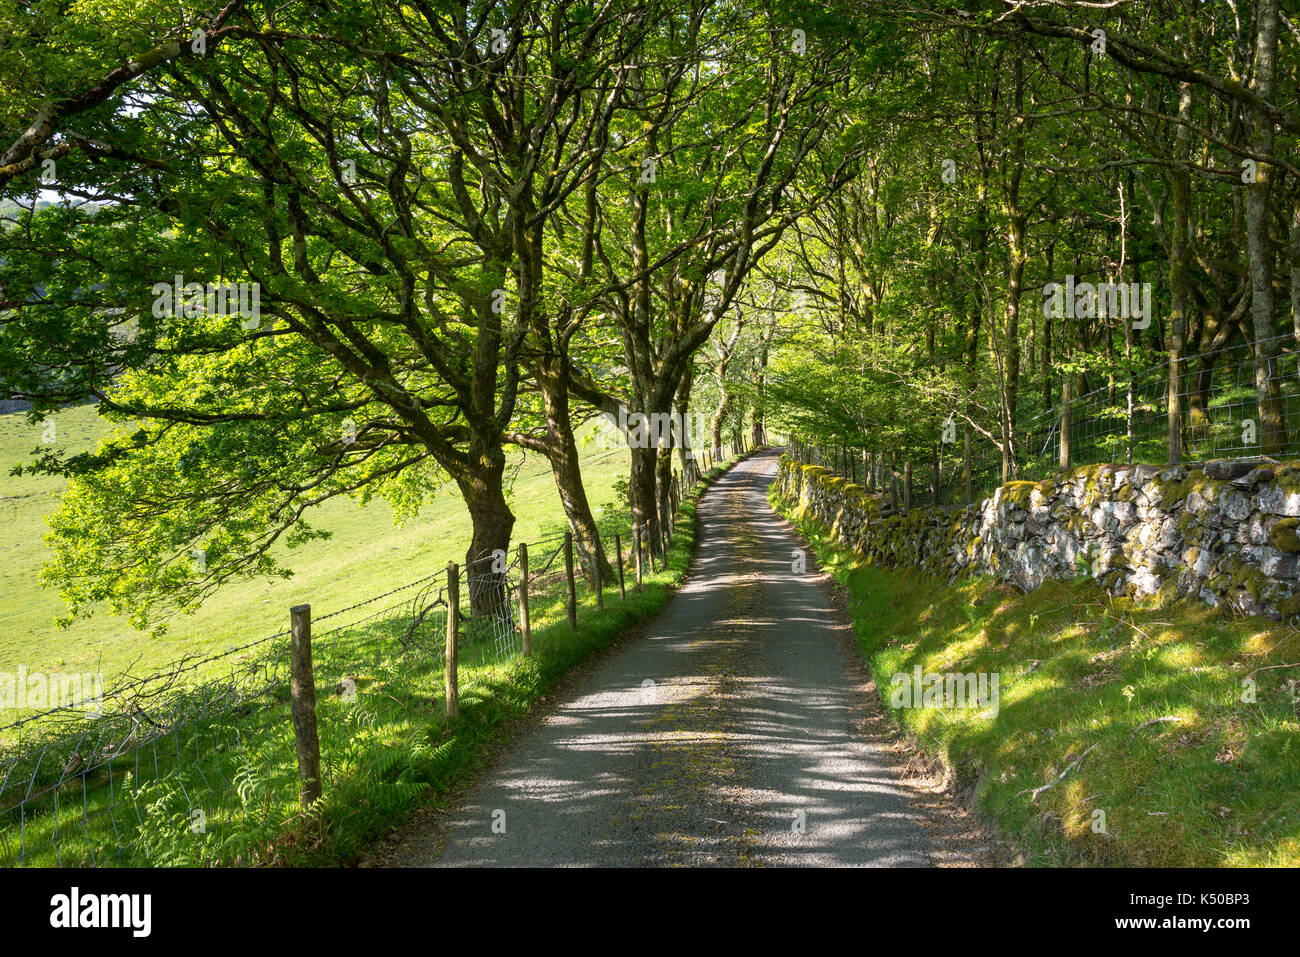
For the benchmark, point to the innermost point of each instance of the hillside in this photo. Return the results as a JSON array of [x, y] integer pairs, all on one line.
[[367, 555]]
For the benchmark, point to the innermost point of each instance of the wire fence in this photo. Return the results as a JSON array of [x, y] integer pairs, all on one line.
[[195, 764], [210, 756], [1219, 415]]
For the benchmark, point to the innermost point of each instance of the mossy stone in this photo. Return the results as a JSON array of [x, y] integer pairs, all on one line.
[[1017, 493], [1284, 537], [1287, 476], [1172, 493], [1250, 578]]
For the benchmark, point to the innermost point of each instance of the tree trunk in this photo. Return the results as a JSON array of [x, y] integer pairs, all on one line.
[[759, 435], [1017, 255], [663, 478], [1198, 398], [1214, 333], [562, 451], [1272, 430], [719, 419], [1295, 269], [1046, 358], [492, 523], [641, 485], [1011, 388], [1179, 293], [685, 446]]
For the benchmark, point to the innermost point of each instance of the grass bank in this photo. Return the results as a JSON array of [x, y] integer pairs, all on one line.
[[1153, 737]]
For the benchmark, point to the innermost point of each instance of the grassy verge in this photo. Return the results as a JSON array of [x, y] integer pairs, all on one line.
[[1158, 749]]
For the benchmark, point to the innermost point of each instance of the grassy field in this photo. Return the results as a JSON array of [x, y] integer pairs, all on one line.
[[1133, 723], [367, 555]]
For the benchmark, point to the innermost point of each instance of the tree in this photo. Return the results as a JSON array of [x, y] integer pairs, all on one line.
[[383, 360], [717, 140]]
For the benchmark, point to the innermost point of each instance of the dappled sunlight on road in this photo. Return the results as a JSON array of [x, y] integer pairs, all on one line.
[[722, 736]]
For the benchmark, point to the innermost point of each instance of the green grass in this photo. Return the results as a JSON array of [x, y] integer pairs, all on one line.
[[1078, 671], [385, 753], [367, 555]]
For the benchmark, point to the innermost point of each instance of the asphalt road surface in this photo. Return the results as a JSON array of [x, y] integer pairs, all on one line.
[[723, 736]]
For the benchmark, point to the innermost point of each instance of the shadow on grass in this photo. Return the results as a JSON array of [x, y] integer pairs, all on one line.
[[1153, 748]]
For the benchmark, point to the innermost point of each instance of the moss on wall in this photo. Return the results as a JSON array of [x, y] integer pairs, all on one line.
[[1140, 531]]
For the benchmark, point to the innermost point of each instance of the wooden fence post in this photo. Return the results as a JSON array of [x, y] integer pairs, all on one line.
[[600, 585], [1175, 404], [666, 527], [453, 636], [571, 603], [1065, 421], [636, 552], [618, 551], [525, 626], [302, 697]]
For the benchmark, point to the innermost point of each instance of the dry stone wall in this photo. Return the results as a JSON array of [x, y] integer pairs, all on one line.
[[1227, 532]]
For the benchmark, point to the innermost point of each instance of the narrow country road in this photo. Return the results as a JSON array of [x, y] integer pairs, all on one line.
[[722, 736]]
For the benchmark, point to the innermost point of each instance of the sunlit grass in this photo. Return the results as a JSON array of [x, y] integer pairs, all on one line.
[[1214, 786], [367, 555]]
